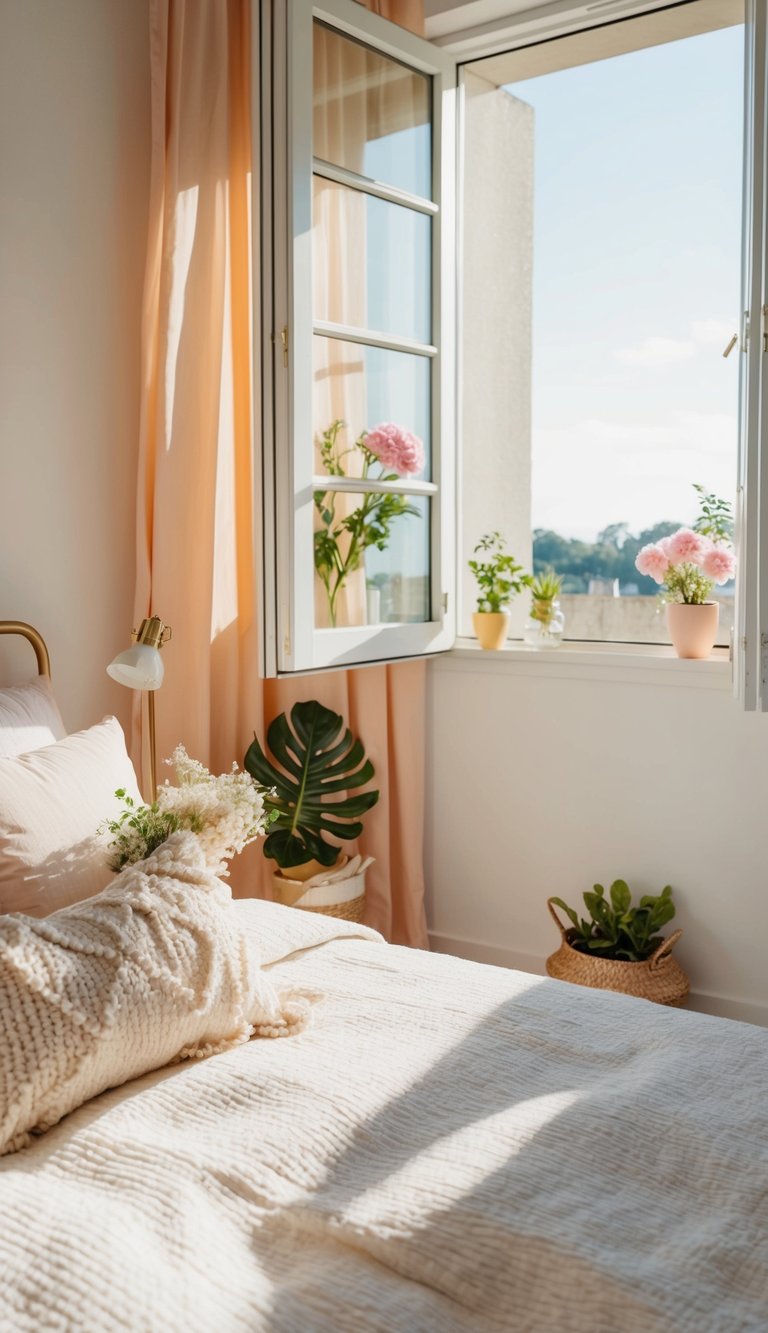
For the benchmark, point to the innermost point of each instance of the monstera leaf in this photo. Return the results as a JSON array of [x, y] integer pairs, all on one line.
[[312, 766]]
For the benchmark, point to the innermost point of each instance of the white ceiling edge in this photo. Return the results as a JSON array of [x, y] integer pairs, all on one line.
[[475, 28]]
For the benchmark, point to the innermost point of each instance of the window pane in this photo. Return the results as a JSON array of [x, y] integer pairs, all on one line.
[[371, 115], [384, 257], [363, 387], [371, 559]]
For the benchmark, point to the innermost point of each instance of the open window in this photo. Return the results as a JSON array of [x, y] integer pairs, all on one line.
[[601, 259], [362, 531], [359, 492]]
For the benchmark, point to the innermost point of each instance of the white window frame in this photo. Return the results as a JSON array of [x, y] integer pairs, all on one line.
[[290, 641]]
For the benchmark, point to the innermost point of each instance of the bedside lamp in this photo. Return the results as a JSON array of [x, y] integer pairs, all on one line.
[[140, 667]]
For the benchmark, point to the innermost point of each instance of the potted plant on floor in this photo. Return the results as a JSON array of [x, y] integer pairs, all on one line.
[[546, 622], [313, 769], [688, 564], [499, 578], [619, 947]]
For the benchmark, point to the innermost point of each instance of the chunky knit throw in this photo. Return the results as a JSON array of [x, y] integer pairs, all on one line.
[[156, 968]]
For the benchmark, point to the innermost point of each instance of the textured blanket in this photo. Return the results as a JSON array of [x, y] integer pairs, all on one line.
[[447, 1147], [157, 968]]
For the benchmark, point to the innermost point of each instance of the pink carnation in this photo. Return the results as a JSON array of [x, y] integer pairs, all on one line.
[[719, 564], [686, 547], [396, 448], [652, 560]]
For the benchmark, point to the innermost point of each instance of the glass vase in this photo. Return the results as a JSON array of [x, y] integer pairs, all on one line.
[[545, 624]]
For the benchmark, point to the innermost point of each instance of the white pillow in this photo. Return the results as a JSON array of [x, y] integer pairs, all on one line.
[[29, 717], [154, 969], [52, 802]]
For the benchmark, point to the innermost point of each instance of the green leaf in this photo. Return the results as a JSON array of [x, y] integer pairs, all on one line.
[[569, 912], [620, 895], [310, 764]]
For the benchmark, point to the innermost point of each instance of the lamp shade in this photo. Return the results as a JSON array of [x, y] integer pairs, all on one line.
[[140, 668]]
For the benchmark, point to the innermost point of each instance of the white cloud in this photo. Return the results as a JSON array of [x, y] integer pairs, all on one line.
[[603, 470], [711, 332], [654, 353]]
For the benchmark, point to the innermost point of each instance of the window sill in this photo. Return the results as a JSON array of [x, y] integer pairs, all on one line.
[[631, 663]]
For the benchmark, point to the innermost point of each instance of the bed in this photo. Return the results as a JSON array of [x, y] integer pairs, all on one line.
[[447, 1146]]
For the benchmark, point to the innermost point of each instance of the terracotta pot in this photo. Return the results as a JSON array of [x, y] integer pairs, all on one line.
[[693, 629], [491, 628]]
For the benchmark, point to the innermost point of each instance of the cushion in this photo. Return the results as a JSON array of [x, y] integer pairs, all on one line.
[[29, 717], [52, 802], [153, 970]]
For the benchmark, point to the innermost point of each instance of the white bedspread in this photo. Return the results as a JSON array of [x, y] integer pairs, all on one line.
[[448, 1147]]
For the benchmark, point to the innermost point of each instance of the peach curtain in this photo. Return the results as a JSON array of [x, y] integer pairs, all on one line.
[[195, 562]]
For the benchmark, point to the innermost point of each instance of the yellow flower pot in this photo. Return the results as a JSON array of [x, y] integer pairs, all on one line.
[[491, 628]]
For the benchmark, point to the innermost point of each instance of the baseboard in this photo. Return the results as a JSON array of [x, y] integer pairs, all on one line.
[[744, 1011]]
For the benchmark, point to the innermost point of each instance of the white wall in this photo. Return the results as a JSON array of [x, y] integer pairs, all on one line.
[[496, 300], [544, 780], [74, 177]]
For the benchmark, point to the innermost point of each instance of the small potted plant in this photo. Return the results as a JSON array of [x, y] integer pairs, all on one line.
[[499, 578], [308, 780], [546, 622], [619, 947], [688, 564]]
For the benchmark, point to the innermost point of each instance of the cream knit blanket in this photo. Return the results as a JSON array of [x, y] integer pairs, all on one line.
[[155, 969]]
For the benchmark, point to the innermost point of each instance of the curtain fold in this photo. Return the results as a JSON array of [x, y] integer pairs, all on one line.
[[196, 559]]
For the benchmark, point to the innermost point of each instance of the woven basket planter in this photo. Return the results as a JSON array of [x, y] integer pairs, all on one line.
[[659, 978], [344, 899]]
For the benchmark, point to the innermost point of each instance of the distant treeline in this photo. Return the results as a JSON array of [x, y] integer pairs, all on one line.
[[612, 556]]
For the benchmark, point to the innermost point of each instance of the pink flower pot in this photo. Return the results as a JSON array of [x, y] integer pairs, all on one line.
[[693, 629]]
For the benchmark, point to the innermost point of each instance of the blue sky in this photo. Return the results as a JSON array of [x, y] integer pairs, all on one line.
[[637, 237]]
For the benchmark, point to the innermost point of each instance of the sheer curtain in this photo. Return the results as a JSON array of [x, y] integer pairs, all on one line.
[[195, 564]]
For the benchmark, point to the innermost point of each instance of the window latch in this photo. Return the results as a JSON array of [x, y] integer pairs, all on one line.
[[284, 344]]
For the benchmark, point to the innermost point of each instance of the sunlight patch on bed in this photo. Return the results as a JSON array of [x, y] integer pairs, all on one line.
[[462, 1160]]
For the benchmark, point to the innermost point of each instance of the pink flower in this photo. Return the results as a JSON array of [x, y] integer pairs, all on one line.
[[652, 560], [719, 564], [686, 547], [396, 448]]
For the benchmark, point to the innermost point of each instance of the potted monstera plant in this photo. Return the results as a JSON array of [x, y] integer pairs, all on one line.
[[618, 947], [312, 782]]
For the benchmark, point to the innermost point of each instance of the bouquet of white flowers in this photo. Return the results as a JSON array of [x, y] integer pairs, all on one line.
[[226, 812]]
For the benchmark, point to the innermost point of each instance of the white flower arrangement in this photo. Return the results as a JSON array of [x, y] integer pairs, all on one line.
[[226, 812]]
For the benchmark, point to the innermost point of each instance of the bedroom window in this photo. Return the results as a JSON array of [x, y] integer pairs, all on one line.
[[606, 258], [359, 420]]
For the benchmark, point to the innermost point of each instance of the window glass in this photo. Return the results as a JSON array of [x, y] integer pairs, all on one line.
[[364, 386], [371, 559], [380, 277], [371, 115]]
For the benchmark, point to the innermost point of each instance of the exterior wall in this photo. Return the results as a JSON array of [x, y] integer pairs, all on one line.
[[542, 781], [75, 156], [497, 250]]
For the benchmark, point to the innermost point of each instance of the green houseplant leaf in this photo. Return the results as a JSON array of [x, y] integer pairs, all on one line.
[[315, 758]]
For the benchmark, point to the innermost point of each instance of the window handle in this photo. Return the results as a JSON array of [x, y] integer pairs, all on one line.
[[727, 350]]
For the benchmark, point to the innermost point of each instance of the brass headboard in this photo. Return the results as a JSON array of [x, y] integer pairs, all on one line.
[[36, 639]]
